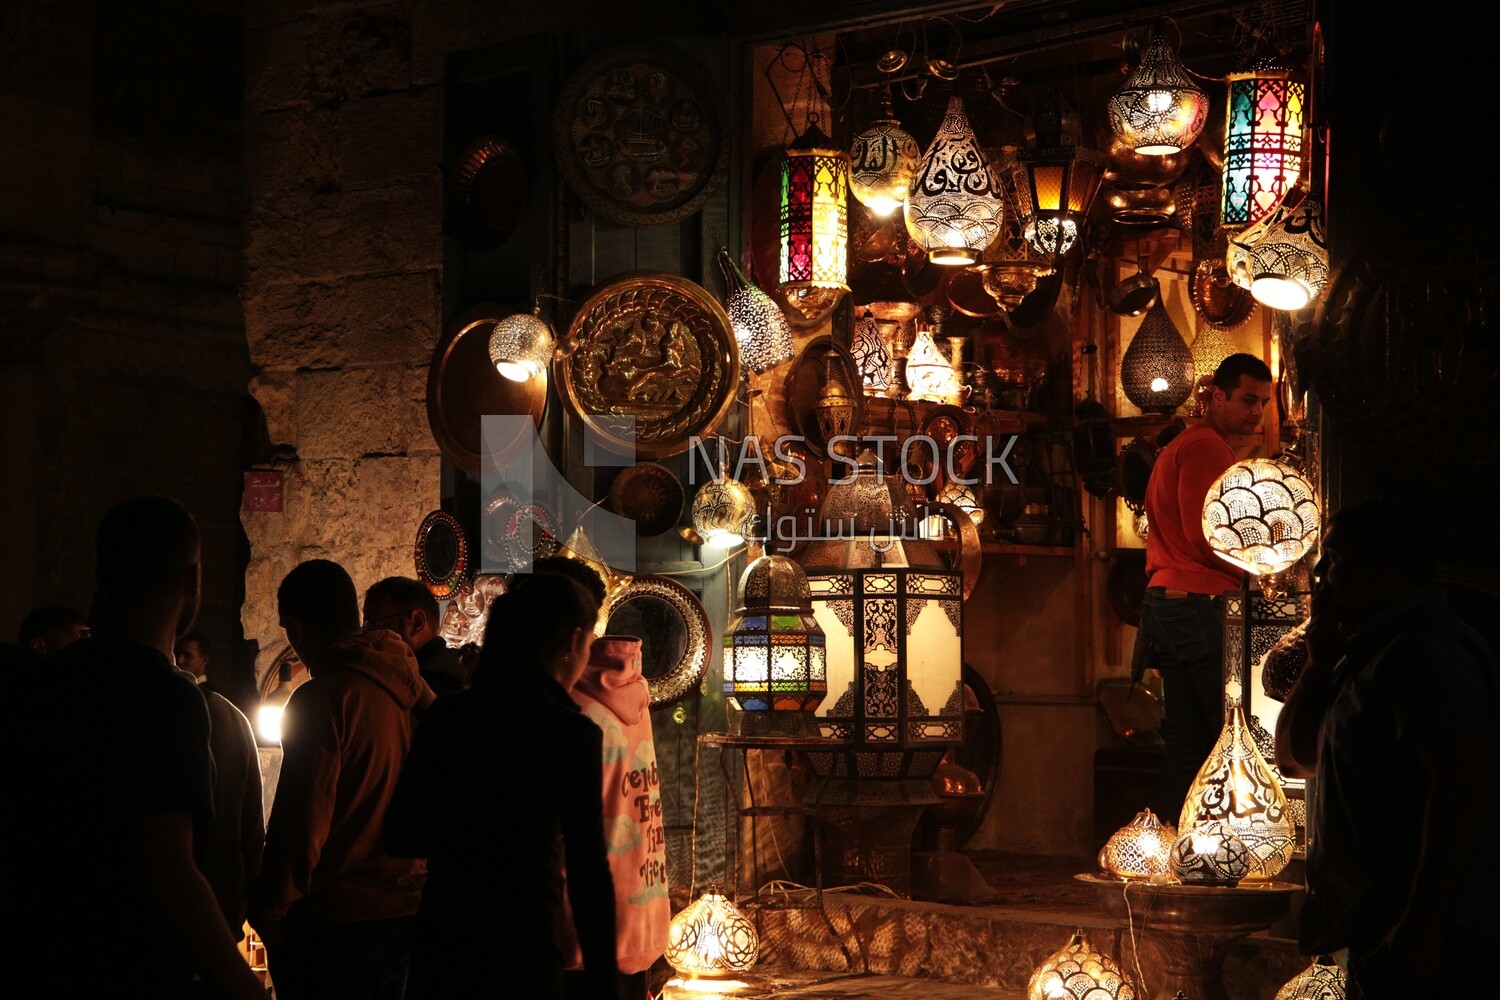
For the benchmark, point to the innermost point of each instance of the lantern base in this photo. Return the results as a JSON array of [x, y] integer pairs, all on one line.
[[800, 725], [865, 830]]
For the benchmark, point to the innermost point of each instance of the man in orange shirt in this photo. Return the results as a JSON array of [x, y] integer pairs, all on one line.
[[1182, 614]]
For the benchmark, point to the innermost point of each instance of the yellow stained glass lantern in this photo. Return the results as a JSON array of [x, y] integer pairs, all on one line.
[[1058, 179], [1283, 259], [882, 163], [723, 510], [1263, 143], [1139, 849], [1210, 854], [1322, 980], [814, 259], [1079, 971], [521, 345], [1236, 786], [774, 651], [1261, 516], [711, 940], [955, 206], [1159, 110]]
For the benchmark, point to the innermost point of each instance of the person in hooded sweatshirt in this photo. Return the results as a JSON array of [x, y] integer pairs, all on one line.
[[335, 910]]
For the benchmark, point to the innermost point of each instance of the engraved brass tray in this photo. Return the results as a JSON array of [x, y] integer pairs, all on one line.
[[654, 347]]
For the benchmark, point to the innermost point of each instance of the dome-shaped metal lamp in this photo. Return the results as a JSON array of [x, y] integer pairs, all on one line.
[[1159, 110], [775, 666], [723, 510], [1139, 849], [1283, 260], [1261, 516], [711, 940], [1078, 970], [1157, 369], [521, 345]]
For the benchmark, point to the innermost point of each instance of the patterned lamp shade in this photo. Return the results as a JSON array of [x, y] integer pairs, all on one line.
[[521, 346], [955, 208], [814, 222], [1283, 259], [1011, 267], [929, 373], [1323, 980], [1263, 145], [774, 653], [882, 163], [872, 346], [722, 511], [711, 939], [836, 409], [1261, 516], [1160, 110], [760, 328], [1210, 347], [1236, 786], [1139, 849], [1210, 854], [962, 496], [1157, 369], [1079, 971], [892, 614], [1059, 179]]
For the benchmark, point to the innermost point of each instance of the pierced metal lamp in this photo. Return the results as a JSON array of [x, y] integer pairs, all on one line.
[[882, 163], [1156, 371], [711, 940], [1263, 143], [1159, 110], [723, 509], [1322, 980], [1060, 178], [1139, 849], [872, 346], [1261, 516], [521, 345], [1079, 971], [760, 327], [955, 207], [929, 373], [1210, 854], [814, 259], [1283, 259]]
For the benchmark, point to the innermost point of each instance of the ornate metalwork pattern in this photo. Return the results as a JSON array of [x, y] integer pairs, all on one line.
[[955, 206], [1079, 970], [882, 162], [441, 553], [1159, 110], [1157, 369], [712, 938], [1262, 143], [880, 626], [1211, 853], [1139, 849], [639, 133], [654, 347], [1261, 515], [872, 354]]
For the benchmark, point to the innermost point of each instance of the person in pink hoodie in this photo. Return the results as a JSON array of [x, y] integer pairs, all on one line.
[[614, 694]]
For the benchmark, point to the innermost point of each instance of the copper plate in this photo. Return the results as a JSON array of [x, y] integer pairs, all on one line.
[[673, 628], [943, 423], [487, 192], [965, 292], [649, 495], [441, 554], [463, 386], [640, 135], [656, 347], [804, 382], [1220, 303]]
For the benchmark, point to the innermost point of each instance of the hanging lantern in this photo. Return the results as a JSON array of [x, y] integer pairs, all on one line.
[[1237, 787], [1139, 849], [871, 346], [521, 345], [722, 512], [1058, 178], [1010, 268], [1323, 980], [711, 939], [1261, 516], [774, 652], [1159, 110], [1210, 854], [1157, 369], [1210, 347], [760, 328], [1079, 971], [1283, 259], [883, 162], [954, 210], [1263, 145], [892, 612], [835, 409], [814, 224]]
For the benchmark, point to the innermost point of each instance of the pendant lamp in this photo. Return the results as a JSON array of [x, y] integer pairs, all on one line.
[[1263, 143], [1157, 369], [723, 510], [1059, 178], [814, 224], [774, 651], [1159, 110], [1079, 971], [1283, 259], [760, 328], [1261, 516], [955, 208], [711, 940], [882, 163], [521, 345]]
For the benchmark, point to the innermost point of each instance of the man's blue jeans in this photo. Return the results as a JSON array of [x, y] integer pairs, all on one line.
[[1188, 633]]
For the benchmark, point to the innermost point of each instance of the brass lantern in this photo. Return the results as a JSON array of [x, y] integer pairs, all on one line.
[[1156, 370], [883, 162], [872, 346], [1261, 516], [955, 207], [1010, 267], [760, 328], [723, 510], [835, 409], [1059, 179], [1322, 980], [814, 224], [1283, 259], [774, 651], [1139, 849], [1263, 143], [521, 346], [1159, 110], [929, 373], [1079, 971], [711, 939], [1210, 853]]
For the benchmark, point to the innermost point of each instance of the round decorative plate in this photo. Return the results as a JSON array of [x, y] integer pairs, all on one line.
[[943, 424], [655, 347], [673, 629], [650, 495], [804, 381], [640, 135], [487, 192], [463, 386], [1220, 303], [441, 553], [517, 534]]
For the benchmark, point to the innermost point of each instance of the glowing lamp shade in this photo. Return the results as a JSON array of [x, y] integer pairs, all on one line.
[[872, 346], [882, 163], [711, 939], [1283, 259], [1139, 849], [929, 373], [722, 510], [1322, 980], [1210, 854], [760, 327], [1210, 347], [1261, 516], [962, 496], [774, 653], [1236, 787], [1156, 371], [955, 207], [814, 259], [1263, 145], [521, 346], [1159, 110], [1058, 179], [1079, 971]]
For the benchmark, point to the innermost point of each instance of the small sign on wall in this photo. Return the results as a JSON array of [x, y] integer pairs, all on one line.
[[263, 492]]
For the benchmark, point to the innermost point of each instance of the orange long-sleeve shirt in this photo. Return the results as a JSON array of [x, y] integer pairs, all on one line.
[[1177, 555]]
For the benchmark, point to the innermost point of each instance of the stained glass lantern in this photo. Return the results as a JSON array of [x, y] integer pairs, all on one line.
[[1209, 854], [521, 345], [929, 373], [1059, 179], [760, 328], [1261, 516], [1236, 786], [1159, 110], [711, 940], [892, 613], [1156, 371], [1322, 980], [1079, 971], [1010, 268], [774, 651], [882, 163], [954, 210], [1139, 849], [872, 347], [1283, 259], [1263, 143], [814, 224], [723, 510]]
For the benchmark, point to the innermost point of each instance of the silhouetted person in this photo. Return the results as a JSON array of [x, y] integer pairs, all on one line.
[[407, 607], [1395, 714], [333, 908], [52, 628], [1182, 612], [113, 783], [502, 786], [193, 655]]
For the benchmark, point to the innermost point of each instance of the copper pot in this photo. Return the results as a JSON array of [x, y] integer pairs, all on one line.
[[1130, 169]]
